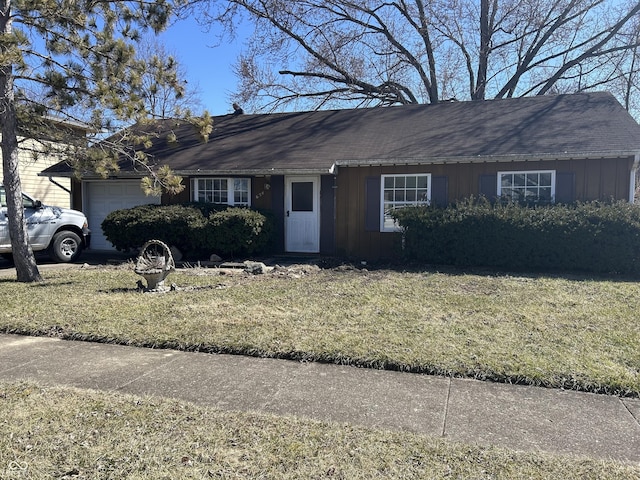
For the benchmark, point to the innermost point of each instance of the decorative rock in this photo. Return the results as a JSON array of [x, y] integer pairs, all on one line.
[[255, 268]]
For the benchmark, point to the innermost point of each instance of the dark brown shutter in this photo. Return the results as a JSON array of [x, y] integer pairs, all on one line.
[[489, 186], [439, 191], [565, 187]]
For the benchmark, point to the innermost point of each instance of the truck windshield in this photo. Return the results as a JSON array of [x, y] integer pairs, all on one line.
[[26, 201]]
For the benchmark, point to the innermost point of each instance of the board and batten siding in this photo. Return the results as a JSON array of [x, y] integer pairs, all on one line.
[[357, 236]]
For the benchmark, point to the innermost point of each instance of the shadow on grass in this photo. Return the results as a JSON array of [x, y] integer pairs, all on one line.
[[43, 284]]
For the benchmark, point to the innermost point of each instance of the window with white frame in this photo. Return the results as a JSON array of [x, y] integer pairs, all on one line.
[[228, 191], [401, 191], [534, 187]]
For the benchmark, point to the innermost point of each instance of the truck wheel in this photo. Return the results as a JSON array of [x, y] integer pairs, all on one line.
[[65, 247]]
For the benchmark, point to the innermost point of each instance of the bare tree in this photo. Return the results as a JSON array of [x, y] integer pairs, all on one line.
[[318, 53], [625, 73]]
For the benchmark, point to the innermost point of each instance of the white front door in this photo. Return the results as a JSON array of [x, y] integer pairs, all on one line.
[[302, 214]]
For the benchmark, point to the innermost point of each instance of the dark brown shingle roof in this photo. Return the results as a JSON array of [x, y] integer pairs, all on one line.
[[564, 126]]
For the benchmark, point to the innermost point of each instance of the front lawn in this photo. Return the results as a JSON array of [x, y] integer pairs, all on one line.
[[574, 333]]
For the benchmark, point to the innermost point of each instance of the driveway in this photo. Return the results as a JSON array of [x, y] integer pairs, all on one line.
[[88, 257]]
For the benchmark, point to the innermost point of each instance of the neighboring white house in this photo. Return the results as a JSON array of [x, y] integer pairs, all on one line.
[[49, 190]]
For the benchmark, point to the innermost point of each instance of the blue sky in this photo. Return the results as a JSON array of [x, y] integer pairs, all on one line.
[[207, 64]]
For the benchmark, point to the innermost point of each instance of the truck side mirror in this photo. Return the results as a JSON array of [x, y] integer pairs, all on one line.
[[37, 204]]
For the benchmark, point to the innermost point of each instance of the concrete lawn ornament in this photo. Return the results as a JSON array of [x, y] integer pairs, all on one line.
[[155, 263]]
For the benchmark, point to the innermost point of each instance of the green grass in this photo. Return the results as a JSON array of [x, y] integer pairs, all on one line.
[[69, 433], [576, 333]]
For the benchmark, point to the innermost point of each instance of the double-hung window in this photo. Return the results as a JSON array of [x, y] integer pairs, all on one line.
[[227, 191], [401, 191], [534, 187]]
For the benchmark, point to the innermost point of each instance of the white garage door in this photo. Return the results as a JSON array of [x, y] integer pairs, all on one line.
[[101, 198]]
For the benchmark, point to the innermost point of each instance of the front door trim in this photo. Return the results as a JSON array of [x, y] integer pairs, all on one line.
[[302, 226]]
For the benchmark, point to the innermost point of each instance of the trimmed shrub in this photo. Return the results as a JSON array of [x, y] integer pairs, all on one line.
[[592, 237], [236, 231], [206, 208], [177, 225], [196, 229]]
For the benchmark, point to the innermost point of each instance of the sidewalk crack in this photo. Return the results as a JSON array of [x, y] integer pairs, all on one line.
[[146, 374], [630, 412], [443, 433]]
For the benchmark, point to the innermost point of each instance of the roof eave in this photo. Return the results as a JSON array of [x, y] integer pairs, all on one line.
[[332, 170], [254, 171], [487, 158], [198, 172]]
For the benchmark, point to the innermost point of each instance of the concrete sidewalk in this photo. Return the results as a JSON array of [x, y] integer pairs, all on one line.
[[517, 417]]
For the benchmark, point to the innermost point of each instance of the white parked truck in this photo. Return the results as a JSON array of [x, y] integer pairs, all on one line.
[[62, 232]]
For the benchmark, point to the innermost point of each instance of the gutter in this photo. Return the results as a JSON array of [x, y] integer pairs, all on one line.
[[256, 171], [200, 172], [448, 160]]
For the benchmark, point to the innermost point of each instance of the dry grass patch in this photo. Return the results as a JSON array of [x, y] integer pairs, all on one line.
[[561, 332], [80, 434]]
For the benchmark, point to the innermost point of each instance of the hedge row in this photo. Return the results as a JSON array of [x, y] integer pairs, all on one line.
[[590, 237], [197, 230]]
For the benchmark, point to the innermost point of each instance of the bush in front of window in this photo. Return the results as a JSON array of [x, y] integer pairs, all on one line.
[[176, 225], [197, 230], [595, 237], [238, 231]]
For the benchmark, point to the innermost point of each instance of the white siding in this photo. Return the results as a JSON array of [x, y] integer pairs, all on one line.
[[40, 187]]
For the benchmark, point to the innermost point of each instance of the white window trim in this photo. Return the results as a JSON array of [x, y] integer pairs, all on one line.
[[396, 228], [230, 190], [512, 172]]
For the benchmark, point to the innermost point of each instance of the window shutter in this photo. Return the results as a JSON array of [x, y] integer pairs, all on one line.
[[565, 187], [372, 204], [489, 186], [439, 191]]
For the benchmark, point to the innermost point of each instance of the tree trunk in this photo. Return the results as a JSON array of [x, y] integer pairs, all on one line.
[[26, 268], [483, 57]]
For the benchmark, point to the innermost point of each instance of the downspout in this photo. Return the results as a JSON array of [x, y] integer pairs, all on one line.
[[632, 181], [59, 185]]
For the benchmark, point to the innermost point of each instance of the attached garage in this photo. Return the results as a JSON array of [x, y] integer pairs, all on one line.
[[103, 197]]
